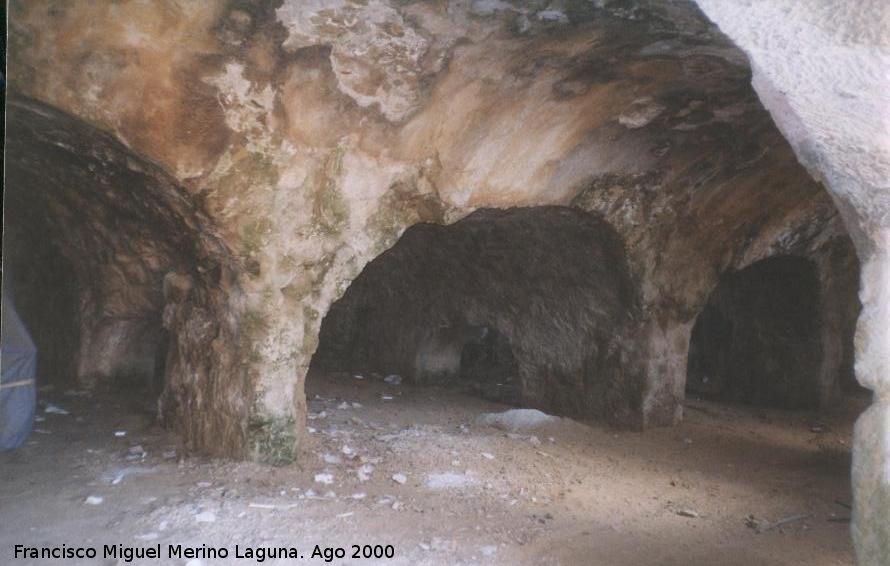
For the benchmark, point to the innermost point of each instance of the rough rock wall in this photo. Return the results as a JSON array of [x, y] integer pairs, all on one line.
[[821, 68], [125, 229], [553, 281], [314, 133]]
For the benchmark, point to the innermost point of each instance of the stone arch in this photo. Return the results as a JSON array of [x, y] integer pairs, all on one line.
[[121, 275], [757, 340], [548, 285]]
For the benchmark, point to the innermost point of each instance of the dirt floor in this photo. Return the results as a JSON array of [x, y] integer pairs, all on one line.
[[710, 491]]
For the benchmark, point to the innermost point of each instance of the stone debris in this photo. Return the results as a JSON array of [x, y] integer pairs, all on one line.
[[120, 433], [400, 479], [517, 419], [488, 550], [55, 409], [94, 500], [488, 455], [271, 506], [324, 478], [332, 459], [393, 379], [117, 476], [364, 472], [206, 517], [687, 513], [442, 545], [448, 480]]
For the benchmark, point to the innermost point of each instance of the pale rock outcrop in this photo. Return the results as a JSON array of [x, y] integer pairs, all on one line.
[[822, 69], [312, 134]]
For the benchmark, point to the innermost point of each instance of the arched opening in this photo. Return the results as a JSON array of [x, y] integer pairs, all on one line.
[[525, 306], [119, 279], [759, 338]]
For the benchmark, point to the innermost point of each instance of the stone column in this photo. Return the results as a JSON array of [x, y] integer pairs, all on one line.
[[665, 346], [871, 439]]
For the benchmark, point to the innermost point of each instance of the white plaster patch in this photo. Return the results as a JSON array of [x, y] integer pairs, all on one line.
[[375, 53]]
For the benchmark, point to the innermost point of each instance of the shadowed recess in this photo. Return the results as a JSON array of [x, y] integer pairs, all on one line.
[[531, 306], [758, 339], [120, 277]]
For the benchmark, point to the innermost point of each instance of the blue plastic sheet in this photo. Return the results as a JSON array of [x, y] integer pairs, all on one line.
[[18, 365]]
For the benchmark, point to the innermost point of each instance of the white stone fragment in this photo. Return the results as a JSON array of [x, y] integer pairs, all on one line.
[[448, 480], [517, 419], [332, 459], [55, 409], [206, 517], [326, 479], [94, 500], [399, 478], [364, 472], [488, 550]]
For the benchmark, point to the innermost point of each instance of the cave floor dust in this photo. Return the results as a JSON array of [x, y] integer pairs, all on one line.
[[705, 492]]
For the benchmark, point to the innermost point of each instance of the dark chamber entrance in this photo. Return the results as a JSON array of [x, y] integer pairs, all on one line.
[[758, 338], [526, 306]]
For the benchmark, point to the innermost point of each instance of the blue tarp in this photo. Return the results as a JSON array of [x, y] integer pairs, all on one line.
[[18, 365]]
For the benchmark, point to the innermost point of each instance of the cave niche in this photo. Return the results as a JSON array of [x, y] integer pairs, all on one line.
[[527, 306], [758, 339], [120, 278]]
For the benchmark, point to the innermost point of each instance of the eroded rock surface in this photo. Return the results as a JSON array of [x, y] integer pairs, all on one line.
[[312, 134]]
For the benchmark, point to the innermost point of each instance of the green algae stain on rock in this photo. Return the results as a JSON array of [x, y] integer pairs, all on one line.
[[253, 235], [330, 212], [310, 333], [272, 441]]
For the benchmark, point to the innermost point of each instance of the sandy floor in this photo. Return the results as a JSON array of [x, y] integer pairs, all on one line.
[[707, 492]]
